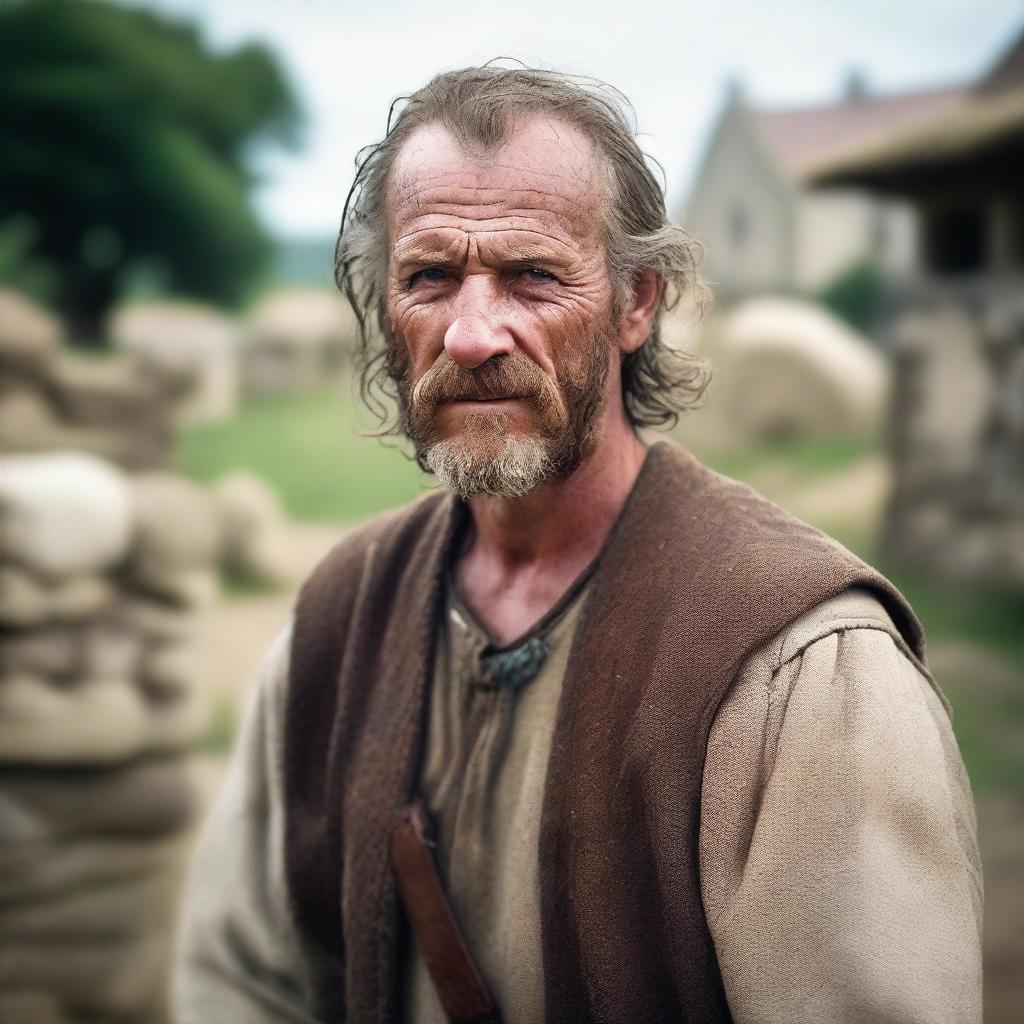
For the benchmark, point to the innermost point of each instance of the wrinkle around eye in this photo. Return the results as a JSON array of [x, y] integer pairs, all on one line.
[[427, 275], [539, 275]]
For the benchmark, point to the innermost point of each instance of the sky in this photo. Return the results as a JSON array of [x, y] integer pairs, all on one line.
[[347, 59]]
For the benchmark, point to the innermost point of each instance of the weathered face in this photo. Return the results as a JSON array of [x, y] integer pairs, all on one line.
[[500, 303]]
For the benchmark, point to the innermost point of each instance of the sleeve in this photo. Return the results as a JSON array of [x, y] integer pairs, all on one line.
[[238, 958], [840, 865]]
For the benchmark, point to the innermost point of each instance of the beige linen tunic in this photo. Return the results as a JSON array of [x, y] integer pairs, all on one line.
[[839, 865]]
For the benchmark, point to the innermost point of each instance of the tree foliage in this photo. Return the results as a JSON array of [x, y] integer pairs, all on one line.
[[128, 143], [856, 295]]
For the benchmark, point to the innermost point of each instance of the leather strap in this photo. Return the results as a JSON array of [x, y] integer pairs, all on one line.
[[460, 987]]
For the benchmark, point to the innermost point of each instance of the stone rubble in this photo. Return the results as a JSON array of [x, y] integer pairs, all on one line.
[[957, 436], [100, 574], [122, 408]]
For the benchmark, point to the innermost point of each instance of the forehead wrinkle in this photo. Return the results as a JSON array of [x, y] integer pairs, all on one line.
[[446, 180], [486, 195], [477, 231], [533, 251], [568, 227], [519, 200], [407, 182], [500, 215], [480, 218], [429, 251]]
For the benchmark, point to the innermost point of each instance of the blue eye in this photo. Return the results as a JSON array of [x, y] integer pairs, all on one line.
[[538, 275], [432, 274]]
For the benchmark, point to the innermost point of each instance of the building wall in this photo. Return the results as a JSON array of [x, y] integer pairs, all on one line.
[[835, 229], [763, 232], [742, 212]]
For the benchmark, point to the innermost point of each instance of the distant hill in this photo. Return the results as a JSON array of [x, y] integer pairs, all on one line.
[[304, 261]]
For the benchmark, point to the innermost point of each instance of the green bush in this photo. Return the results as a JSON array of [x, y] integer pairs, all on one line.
[[856, 295]]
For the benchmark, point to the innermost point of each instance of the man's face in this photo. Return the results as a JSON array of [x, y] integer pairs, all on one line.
[[500, 305]]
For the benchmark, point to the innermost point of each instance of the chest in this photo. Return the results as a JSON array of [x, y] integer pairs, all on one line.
[[486, 754]]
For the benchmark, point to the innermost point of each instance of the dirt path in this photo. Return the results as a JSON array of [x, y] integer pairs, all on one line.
[[237, 631]]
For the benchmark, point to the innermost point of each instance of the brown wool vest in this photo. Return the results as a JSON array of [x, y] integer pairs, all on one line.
[[699, 572]]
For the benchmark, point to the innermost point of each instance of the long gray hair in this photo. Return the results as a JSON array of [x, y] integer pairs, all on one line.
[[480, 107]]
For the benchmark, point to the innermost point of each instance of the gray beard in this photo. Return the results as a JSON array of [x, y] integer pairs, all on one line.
[[522, 464]]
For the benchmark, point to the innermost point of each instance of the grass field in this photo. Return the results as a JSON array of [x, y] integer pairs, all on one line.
[[309, 449]]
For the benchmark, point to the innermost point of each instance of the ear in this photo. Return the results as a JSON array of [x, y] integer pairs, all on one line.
[[635, 324]]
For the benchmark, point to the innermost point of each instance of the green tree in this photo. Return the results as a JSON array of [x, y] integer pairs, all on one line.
[[127, 145]]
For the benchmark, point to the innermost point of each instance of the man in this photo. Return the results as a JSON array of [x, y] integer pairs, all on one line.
[[682, 754]]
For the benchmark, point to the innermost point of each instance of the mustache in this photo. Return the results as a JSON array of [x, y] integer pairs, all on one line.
[[509, 375]]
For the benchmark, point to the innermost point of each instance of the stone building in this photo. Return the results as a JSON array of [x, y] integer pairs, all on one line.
[[752, 205], [957, 333]]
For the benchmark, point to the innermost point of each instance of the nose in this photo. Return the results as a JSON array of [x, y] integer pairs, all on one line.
[[475, 336]]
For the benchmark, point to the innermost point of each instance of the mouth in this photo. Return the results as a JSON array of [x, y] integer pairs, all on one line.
[[477, 402]]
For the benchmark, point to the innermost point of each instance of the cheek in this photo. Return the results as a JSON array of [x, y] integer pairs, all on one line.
[[419, 329], [569, 329], [578, 342], [581, 311]]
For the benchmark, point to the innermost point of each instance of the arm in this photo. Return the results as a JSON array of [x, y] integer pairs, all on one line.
[[841, 873], [238, 959]]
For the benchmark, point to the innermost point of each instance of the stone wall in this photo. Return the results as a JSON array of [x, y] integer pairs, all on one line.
[[174, 339], [957, 434], [120, 408], [101, 576], [297, 340]]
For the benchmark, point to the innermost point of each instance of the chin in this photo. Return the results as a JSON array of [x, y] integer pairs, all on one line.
[[509, 465]]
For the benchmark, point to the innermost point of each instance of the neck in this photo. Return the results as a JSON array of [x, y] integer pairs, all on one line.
[[525, 552], [562, 522]]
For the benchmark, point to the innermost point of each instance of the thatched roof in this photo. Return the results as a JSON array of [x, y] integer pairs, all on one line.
[[976, 139], [982, 126], [803, 140]]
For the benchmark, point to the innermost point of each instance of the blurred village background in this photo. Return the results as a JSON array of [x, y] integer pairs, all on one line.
[[181, 440]]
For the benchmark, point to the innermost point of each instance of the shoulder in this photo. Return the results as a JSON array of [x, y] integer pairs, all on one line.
[[838, 839], [857, 608], [836, 687], [847, 643], [389, 537], [834, 720], [382, 530], [838, 694]]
